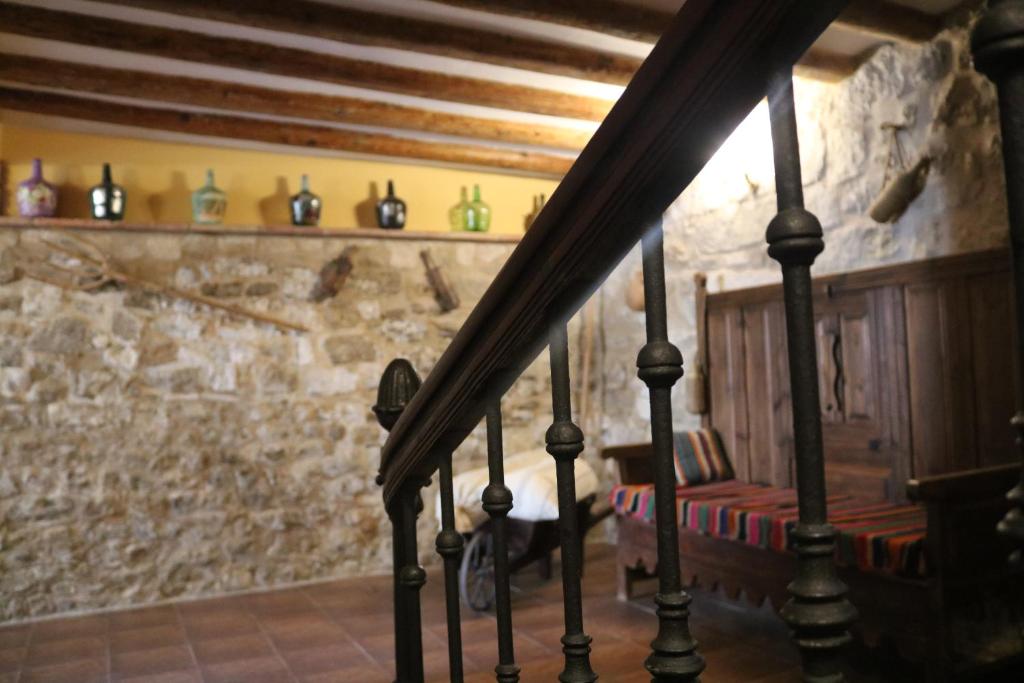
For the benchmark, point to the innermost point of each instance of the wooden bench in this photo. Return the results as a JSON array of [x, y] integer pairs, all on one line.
[[916, 400]]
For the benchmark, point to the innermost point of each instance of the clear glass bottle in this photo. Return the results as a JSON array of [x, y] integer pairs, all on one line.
[[36, 198], [209, 203], [305, 206], [457, 214], [479, 215], [391, 210], [107, 198]]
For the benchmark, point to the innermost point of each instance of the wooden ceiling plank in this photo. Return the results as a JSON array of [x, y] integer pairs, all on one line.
[[377, 29], [602, 16], [98, 80], [888, 21], [274, 132], [249, 55]]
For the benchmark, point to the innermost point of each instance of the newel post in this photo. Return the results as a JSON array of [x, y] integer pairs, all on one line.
[[998, 47], [818, 611], [397, 386]]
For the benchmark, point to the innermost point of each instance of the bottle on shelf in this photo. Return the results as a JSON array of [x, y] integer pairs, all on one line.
[[478, 218], [305, 206], [107, 198], [391, 210], [36, 197], [457, 214], [209, 203], [538, 206]]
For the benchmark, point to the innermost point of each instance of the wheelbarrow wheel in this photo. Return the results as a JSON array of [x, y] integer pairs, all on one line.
[[476, 575]]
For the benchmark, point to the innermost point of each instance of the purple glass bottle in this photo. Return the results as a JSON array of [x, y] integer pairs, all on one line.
[[36, 197]]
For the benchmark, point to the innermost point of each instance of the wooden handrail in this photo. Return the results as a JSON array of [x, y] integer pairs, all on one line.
[[710, 69]]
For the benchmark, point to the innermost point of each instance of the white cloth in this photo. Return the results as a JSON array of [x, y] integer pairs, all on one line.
[[531, 478]]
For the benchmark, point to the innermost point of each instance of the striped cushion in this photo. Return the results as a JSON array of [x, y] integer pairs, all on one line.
[[873, 535], [700, 457]]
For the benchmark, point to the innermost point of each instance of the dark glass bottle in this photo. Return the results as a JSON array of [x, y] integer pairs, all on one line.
[[391, 210], [107, 199], [305, 206]]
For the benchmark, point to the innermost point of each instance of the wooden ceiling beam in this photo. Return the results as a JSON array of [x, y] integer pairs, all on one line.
[[822, 65], [275, 132], [880, 18], [602, 16], [234, 97], [378, 29], [158, 41], [889, 21]]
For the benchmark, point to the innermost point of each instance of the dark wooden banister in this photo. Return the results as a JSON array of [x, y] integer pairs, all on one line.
[[707, 73]]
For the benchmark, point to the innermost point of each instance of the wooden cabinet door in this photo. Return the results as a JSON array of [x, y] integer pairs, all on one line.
[[862, 380]]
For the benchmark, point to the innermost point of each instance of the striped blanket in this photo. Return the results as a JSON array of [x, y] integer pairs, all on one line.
[[872, 535]]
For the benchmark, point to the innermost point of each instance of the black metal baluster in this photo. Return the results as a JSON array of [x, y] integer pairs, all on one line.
[[565, 443], [660, 364], [497, 501], [818, 612], [998, 47], [449, 547], [397, 386], [411, 579]]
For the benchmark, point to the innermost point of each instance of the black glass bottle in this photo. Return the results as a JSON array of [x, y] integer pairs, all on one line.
[[107, 199], [391, 210], [305, 206]]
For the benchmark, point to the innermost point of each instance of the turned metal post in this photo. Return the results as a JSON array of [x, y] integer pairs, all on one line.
[[998, 47], [660, 364], [565, 443], [497, 501], [449, 547], [818, 611], [397, 386]]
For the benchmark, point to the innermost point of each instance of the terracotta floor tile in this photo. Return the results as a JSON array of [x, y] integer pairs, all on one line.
[[146, 638], [143, 618], [64, 629], [360, 674], [256, 670], [153, 661], [326, 658], [11, 658], [13, 636], [250, 645], [220, 624], [71, 649], [79, 671], [166, 677]]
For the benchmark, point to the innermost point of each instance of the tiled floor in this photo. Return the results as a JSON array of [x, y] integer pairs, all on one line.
[[341, 631]]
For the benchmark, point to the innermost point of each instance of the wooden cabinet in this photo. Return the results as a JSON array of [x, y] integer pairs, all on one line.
[[914, 369]]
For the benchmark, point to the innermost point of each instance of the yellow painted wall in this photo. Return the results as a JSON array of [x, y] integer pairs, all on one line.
[[159, 177]]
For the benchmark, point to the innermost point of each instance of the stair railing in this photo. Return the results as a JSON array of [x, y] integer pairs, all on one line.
[[998, 47], [713, 65]]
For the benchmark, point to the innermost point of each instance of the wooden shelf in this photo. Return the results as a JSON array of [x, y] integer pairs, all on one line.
[[76, 224]]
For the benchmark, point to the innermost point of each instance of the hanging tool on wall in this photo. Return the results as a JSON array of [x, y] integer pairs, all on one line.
[[900, 185], [447, 297], [696, 379], [78, 264], [333, 276]]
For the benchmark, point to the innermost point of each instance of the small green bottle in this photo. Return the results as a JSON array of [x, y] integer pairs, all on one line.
[[209, 203], [479, 215], [457, 214]]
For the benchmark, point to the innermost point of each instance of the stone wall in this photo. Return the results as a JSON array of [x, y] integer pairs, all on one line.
[[717, 226], [155, 449]]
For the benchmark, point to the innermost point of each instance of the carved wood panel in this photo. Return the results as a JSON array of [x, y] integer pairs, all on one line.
[[915, 373], [769, 409], [727, 385]]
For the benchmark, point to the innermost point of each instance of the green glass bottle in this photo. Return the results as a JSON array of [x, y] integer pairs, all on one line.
[[479, 215], [209, 203], [457, 214]]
